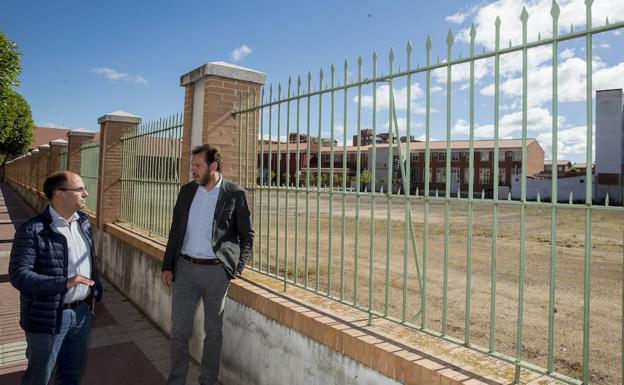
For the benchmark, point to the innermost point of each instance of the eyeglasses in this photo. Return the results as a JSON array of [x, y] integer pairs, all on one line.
[[77, 189]]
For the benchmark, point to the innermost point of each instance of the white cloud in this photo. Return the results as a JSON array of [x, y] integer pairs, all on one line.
[[461, 72], [114, 75], [571, 142], [567, 53], [457, 18], [540, 20], [604, 45], [538, 120], [52, 125], [400, 98], [571, 81], [436, 89], [240, 53], [617, 32]]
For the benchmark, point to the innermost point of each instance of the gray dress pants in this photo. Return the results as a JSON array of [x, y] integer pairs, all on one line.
[[192, 282]]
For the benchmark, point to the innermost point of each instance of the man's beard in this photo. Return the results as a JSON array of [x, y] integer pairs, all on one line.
[[203, 181]]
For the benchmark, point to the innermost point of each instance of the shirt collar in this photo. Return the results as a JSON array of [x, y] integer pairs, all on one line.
[[57, 218]]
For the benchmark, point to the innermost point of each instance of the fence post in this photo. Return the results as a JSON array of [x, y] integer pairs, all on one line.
[[55, 153], [44, 157], [75, 139], [112, 126], [212, 93]]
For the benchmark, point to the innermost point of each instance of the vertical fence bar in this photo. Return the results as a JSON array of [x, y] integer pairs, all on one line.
[[319, 164], [344, 181], [331, 181], [307, 203], [278, 180], [373, 163], [447, 192], [496, 177], [524, 17], [358, 183], [240, 140], [262, 173], [473, 33], [389, 163], [270, 175], [423, 322], [297, 181], [287, 182], [588, 194], [553, 196], [407, 192]]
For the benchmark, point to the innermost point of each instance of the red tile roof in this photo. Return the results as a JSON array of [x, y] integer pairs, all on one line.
[[44, 135]]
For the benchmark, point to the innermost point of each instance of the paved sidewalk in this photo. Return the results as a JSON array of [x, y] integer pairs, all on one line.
[[125, 348]]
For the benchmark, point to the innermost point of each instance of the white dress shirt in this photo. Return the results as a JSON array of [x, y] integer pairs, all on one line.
[[78, 253], [198, 237]]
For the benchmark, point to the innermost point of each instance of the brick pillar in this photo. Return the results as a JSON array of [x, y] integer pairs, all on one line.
[[25, 171], [112, 127], [34, 169], [75, 139], [55, 153], [212, 93], [44, 158]]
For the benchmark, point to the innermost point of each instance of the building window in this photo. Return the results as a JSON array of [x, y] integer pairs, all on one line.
[[502, 176], [441, 156], [454, 156], [484, 176], [501, 156], [415, 156], [416, 175], [466, 175], [455, 175], [516, 170], [484, 156], [440, 175], [434, 155], [517, 156]]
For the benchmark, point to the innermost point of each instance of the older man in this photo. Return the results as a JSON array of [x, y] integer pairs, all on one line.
[[210, 240], [53, 266]]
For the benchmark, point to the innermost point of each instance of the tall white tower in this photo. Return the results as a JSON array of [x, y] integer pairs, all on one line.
[[609, 146]]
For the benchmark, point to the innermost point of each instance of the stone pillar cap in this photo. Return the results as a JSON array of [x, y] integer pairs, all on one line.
[[28, 154], [119, 116], [225, 70], [44, 147], [81, 132], [58, 142], [35, 151]]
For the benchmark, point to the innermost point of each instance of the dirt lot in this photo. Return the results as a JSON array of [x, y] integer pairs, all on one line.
[[402, 300]]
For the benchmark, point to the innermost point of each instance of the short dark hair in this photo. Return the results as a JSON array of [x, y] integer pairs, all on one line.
[[54, 182], [211, 154]]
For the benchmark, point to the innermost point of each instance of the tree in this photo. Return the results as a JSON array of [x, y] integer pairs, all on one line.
[[10, 67], [16, 126], [365, 177]]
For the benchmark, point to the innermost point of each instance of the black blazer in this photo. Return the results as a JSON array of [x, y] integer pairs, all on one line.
[[232, 231]]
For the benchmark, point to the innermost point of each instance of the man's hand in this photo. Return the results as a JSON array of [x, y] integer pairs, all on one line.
[[166, 277], [79, 279]]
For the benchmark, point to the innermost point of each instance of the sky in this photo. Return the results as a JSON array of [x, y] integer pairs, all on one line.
[[83, 59]]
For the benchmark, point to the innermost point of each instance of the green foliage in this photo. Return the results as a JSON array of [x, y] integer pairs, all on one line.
[[10, 67], [16, 125], [365, 176]]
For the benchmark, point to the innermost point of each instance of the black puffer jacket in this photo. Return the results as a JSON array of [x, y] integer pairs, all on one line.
[[38, 269]]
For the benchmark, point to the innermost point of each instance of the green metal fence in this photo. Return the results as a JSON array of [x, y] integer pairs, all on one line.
[[509, 278], [151, 174], [90, 154], [62, 164]]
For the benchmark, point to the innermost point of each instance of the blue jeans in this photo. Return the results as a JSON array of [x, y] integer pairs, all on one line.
[[66, 350]]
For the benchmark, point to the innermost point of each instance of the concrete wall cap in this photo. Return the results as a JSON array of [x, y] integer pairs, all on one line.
[[44, 147], [58, 142], [226, 70], [81, 132], [119, 116], [35, 151]]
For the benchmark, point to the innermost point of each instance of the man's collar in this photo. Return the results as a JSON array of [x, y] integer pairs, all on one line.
[[56, 217]]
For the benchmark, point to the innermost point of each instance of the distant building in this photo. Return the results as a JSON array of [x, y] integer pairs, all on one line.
[[609, 145], [44, 135], [564, 167]]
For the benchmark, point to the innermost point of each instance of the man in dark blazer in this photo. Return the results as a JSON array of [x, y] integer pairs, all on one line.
[[210, 240]]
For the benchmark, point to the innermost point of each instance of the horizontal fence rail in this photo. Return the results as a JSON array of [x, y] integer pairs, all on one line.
[[151, 174], [396, 228], [90, 154]]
